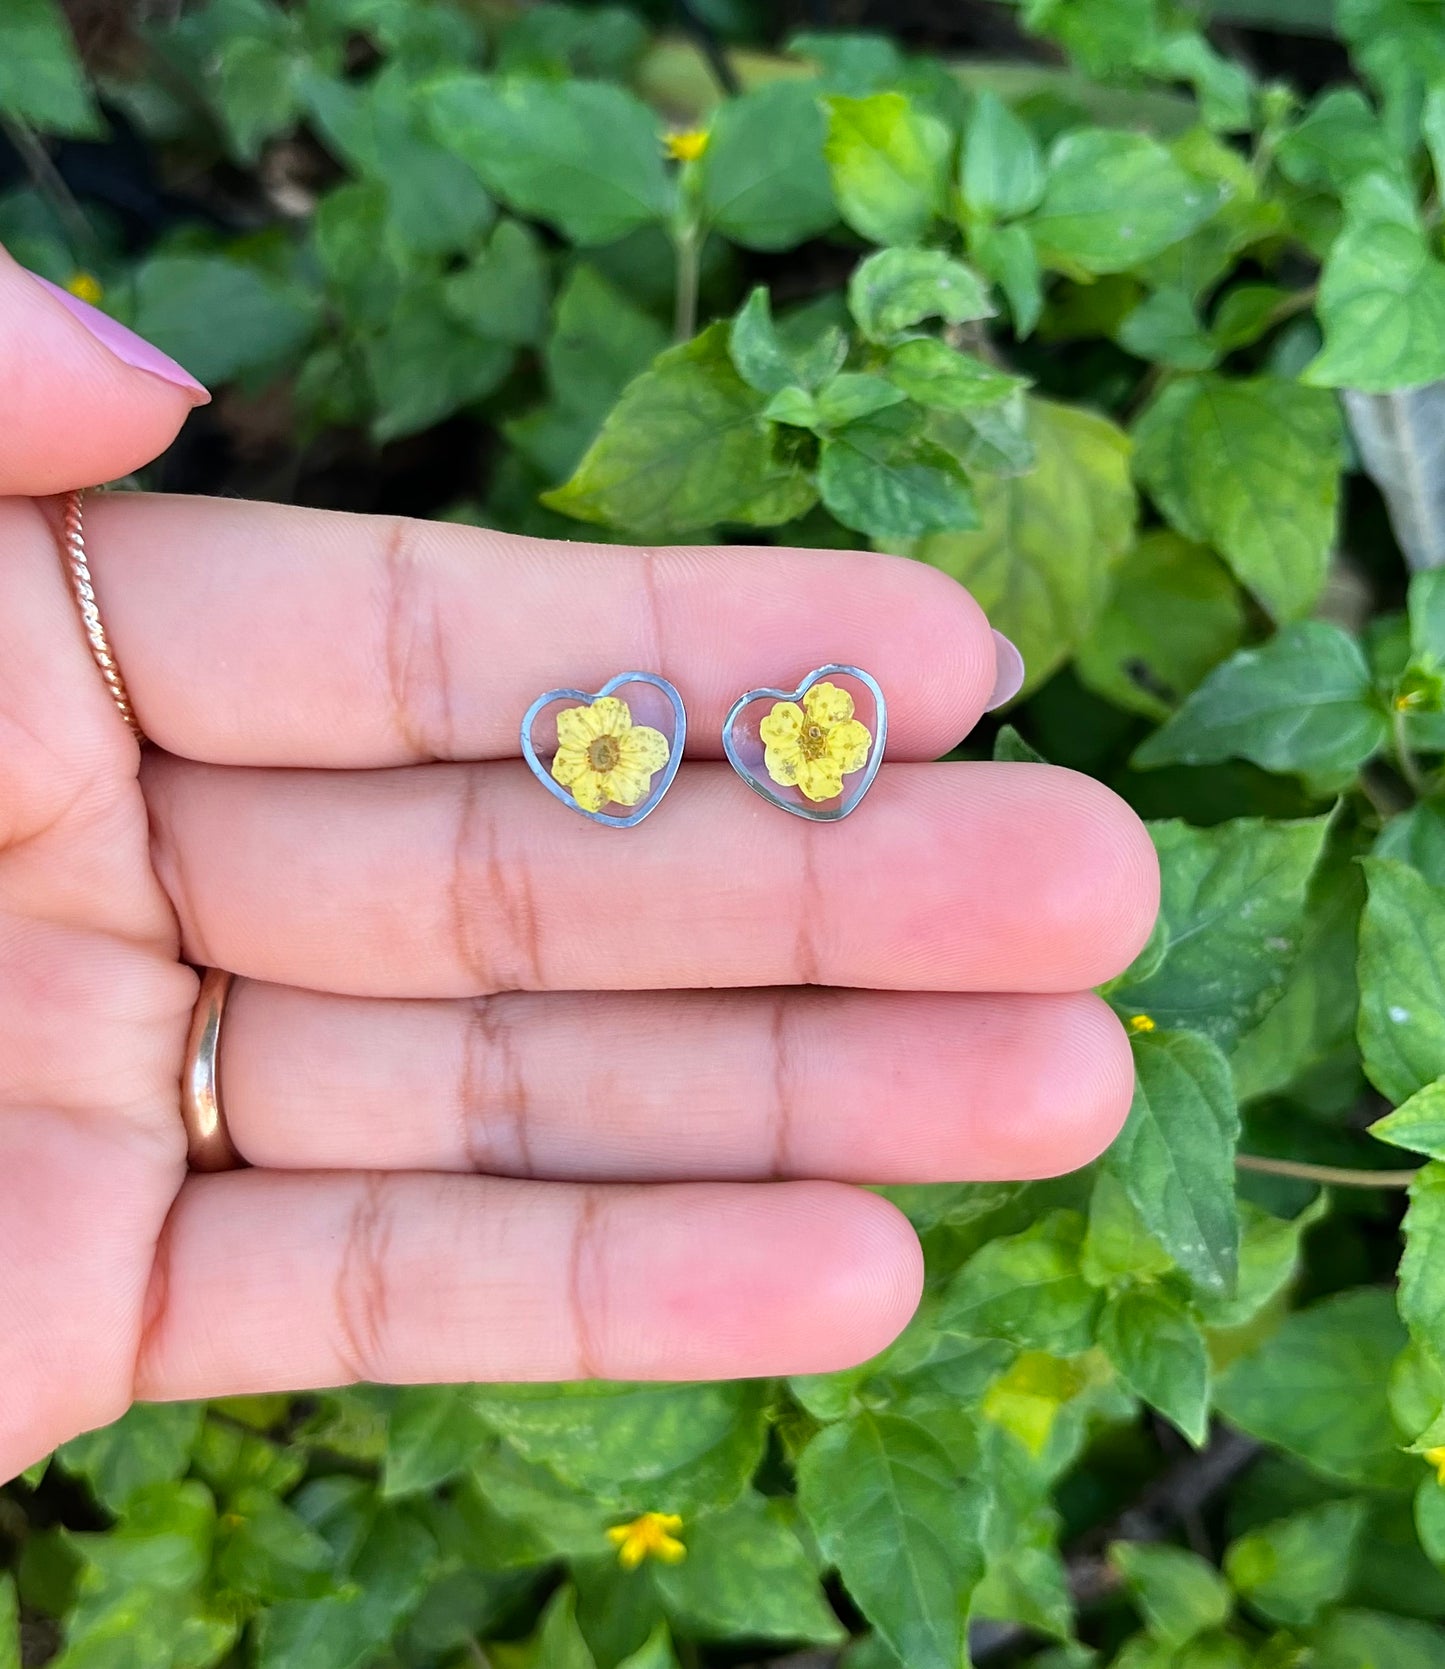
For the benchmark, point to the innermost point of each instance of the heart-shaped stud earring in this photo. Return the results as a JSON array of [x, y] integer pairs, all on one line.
[[607, 751], [806, 750]]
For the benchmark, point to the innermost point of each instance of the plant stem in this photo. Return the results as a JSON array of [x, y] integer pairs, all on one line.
[[1405, 756], [688, 243], [1330, 1175]]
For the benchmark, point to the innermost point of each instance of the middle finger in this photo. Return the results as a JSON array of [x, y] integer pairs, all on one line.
[[461, 880]]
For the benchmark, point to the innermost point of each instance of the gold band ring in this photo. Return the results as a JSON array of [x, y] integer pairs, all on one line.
[[77, 570], [208, 1141]]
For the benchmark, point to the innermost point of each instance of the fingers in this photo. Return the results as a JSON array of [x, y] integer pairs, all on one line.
[[267, 1282], [449, 881], [687, 1086], [260, 635], [85, 401]]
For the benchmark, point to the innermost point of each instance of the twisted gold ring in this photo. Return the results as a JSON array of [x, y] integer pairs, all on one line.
[[77, 570]]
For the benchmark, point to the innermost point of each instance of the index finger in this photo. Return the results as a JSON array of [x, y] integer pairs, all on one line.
[[256, 634]]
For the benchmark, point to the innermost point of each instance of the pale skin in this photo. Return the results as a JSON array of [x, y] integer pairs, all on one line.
[[525, 1098]]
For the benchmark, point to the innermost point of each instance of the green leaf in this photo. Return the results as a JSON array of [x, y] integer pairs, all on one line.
[[1250, 466], [656, 1653], [684, 448], [258, 86], [1003, 172], [1156, 1345], [1175, 1154], [1427, 615], [584, 156], [1173, 614], [943, 379], [852, 395], [503, 294], [435, 1431], [889, 164], [604, 42], [1006, 254], [768, 362], [434, 202], [763, 180], [558, 1642], [1381, 302], [1027, 1288], [1317, 1389], [890, 1511], [1292, 1569], [268, 1553], [1008, 745], [9, 1624], [1164, 327], [1269, 1260], [1417, 837], [1230, 921], [179, 299], [41, 81], [1302, 702], [898, 288], [150, 1444], [1339, 140], [747, 1575], [1113, 200], [1179, 1595], [1040, 564], [668, 1448], [1418, 1124], [881, 476], [1118, 1248], [1402, 980], [1422, 1272], [1371, 1640], [423, 368]]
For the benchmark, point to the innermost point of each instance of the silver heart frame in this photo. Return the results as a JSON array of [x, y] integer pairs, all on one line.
[[669, 770], [850, 798]]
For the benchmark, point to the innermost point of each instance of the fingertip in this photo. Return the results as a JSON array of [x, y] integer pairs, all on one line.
[[88, 401], [1078, 1096]]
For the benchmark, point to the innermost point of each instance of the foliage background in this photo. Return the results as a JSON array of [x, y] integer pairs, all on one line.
[[1133, 319]]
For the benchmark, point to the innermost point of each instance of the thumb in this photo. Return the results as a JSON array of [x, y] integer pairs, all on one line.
[[82, 399]]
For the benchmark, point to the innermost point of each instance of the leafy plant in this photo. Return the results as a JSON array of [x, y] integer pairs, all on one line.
[[1148, 351]]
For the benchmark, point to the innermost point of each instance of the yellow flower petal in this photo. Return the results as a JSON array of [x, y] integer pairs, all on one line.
[[820, 779], [618, 1533], [590, 790], [827, 704], [576, 727], [685, 147], [783, 764], [669, 1551], [612, 716], [633, 1552], [626, 788], [643, 749], [568, 763], [848, 745], [781, 725]]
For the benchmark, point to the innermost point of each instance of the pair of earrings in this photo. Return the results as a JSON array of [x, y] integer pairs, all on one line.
[[806, 751]]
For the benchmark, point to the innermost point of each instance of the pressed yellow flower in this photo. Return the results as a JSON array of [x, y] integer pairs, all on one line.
[[649, 1535], [685, 147], [603, 756], [85, 285], [1141, 1023], [814, 746], [1435, 1458]]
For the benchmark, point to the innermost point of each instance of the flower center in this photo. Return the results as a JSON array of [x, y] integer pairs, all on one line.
[[813, 741], [603, 753]]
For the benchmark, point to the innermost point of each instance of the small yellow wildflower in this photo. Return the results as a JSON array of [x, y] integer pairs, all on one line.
[[813, 747], [1141, 1023], [85, 285], [1409, 699], [601, 755], [1435, 1458], [653, 1534], [687, 146]]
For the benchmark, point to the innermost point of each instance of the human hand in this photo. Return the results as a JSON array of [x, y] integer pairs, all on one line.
[[667, 1052]]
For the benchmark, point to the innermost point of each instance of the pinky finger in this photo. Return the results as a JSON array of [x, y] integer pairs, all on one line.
[[267, 1281]]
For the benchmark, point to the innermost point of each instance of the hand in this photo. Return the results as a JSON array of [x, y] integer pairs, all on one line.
[[526, 1099]]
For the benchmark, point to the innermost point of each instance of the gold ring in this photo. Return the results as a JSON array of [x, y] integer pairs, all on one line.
[[208, 1142], [77, 570]]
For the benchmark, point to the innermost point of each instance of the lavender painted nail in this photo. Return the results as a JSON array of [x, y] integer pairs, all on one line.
[[1008, 677], [125, 344]]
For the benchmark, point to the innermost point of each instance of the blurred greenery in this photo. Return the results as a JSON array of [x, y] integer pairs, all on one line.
[[1132, 319]]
